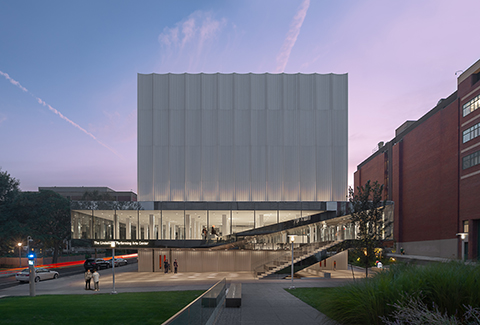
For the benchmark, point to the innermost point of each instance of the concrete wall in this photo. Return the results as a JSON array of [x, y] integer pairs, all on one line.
[[446, 248], [189, 260]]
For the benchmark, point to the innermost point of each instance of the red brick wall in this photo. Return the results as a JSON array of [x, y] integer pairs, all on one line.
[[433, 195], [373, 171], [469, 184], [424, 174], [469, 178], [396, 197], [430, 178]]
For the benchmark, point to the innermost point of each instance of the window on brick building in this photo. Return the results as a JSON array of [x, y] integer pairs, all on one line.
[[475, 78], [471, 160], [471, 133], [471, 106]]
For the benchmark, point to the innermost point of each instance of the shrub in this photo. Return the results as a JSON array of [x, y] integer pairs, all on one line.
[[415, 311], [450, 287]]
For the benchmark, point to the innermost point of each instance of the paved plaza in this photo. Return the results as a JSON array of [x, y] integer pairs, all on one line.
[[263, 301]]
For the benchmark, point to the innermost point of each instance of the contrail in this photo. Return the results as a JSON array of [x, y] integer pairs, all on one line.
[[16, 83], [292, 35], [63, 117]]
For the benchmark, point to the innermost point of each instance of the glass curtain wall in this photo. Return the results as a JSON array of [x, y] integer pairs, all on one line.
[[82, 224], [265, 218], [104, 224], [127, 224], [195, 224], [180, 224], [149, 225], [173, 224], [242, 220], [289, 215], [219, 224]]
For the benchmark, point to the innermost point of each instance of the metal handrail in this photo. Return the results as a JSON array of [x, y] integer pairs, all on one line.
[[297, 252]]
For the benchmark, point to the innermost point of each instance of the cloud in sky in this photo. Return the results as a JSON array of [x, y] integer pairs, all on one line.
[[63, 117], [190, 36], [292, 35], [198, 26]]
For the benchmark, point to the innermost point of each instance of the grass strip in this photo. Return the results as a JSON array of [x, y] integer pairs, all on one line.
[[122, 308], [449, 288]]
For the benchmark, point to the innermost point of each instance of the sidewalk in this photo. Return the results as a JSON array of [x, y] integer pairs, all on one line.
[[268, 303], [263, 301]]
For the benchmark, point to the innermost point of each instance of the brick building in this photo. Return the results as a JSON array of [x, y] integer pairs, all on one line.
[[431, 170]]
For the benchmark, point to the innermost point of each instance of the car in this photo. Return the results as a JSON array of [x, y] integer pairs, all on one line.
[[119, 261], [40, 274], [95, 263]]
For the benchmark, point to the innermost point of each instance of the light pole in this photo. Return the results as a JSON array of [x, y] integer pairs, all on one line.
[[292, 240], [31, 267], [463, 236], [20, 254], [112, 244]]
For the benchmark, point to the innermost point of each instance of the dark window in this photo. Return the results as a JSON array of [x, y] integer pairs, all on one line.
[[471, 160], [475, 78]]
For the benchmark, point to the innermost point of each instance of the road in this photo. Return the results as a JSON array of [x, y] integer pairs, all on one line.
[[10, 281]]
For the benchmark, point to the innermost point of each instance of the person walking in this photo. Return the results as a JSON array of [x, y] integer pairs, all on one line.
[[175, 265], [96, 280], [88, 278], [165, 265]]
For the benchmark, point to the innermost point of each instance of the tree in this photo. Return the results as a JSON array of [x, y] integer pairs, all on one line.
[[9, 190], [96, 196], [52, 225], [366, 208], [45, 216], [97, 201]]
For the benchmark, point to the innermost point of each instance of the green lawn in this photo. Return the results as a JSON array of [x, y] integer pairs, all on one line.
[[122, 308], [315, 297]]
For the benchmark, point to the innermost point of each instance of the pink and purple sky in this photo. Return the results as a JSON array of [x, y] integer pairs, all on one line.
[[68, 69]]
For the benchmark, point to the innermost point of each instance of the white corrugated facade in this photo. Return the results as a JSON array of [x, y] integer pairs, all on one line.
[[242, 137]]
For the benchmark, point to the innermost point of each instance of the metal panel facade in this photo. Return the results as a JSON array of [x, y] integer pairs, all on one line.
[[242, 137]]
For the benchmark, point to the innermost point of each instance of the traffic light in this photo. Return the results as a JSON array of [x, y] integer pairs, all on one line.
[[31, 258]]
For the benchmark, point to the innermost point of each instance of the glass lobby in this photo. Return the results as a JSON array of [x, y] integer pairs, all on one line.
[[136, 224]]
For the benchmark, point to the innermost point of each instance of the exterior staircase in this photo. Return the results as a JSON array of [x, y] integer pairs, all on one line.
[[299, 254]]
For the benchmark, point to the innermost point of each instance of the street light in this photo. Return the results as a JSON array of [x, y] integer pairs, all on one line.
[[20, 253], [463, 236], [292, 240], [112, 244], [31, 267]]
